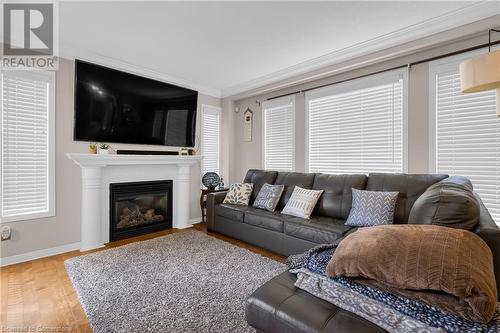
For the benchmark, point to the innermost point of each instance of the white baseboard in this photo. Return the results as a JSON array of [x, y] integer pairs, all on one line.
[[191, 222], [195, 220], [38, 254]]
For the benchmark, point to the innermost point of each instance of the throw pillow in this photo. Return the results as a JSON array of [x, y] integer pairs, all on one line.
[[370, 208], [239, 194], [426, 258], [268, 197], [302, 202]]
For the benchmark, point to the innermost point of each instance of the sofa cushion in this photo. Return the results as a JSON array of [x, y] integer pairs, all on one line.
[[448, 203], [290, 180], [259, 178], [318, 229], [264, 219], [230, 211], [279, 306], [336, 200], [410, 187]]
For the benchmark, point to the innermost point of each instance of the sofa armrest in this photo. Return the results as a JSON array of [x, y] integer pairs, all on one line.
[[213, 199]]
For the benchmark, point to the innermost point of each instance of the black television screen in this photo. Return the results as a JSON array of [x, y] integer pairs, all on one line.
[[114, 106]]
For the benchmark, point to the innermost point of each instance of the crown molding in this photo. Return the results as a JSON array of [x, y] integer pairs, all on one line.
[[71, 52], [466, 15]]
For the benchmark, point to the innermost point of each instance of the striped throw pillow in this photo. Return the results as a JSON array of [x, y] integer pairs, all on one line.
[[302, 202]]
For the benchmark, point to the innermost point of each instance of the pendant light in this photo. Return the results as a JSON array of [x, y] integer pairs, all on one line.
[[482, 73]]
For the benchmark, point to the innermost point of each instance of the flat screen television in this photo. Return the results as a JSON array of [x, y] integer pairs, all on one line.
[[114, 106]]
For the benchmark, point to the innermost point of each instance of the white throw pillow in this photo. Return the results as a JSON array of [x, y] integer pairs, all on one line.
[[239, 194], [302, 202]]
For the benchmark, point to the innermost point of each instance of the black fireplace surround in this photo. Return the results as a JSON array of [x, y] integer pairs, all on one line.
[[139, 208]]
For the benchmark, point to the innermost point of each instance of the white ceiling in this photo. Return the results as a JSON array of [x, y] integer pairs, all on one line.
[[220, 46]]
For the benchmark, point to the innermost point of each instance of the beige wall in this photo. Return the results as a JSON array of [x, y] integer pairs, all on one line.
[[64, 227], [247, 155]]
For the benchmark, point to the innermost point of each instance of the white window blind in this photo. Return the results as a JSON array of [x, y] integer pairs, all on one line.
[[26, 145], [466, 133], [211, 139], [278, 133], [357, 126]]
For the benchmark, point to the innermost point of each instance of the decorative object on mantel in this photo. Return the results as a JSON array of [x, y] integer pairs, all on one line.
[[211, 180], [93, 148], [103, 149], [482, 72], [184, 151], [247, 125]]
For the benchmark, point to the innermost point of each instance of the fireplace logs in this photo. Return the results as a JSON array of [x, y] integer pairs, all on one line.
[[134, 217]]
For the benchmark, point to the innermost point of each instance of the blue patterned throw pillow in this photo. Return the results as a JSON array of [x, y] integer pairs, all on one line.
[[370, 208], [268, 197]]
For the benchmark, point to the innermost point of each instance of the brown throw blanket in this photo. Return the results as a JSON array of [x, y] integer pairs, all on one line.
[[448, 268]]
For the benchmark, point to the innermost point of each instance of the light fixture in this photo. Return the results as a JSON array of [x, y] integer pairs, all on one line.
[[482, 73]]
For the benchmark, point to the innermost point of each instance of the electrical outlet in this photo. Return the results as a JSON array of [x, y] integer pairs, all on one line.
[[5, 235]]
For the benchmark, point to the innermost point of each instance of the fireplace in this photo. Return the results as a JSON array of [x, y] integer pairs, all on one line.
[[139, 208]]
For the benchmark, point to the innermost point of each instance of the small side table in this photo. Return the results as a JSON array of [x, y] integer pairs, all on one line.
[[203, 203]]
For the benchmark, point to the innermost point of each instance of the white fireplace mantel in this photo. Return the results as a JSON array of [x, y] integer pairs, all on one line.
[[98, 171]]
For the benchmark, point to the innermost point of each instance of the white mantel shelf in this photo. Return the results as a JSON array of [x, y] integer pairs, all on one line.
[[114, 159], [98, 171]]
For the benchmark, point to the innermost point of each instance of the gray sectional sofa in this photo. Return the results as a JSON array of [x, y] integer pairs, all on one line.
[[278, 306], [287, 235]]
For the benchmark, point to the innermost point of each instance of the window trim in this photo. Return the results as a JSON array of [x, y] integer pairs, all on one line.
[[436, 67], [51, 212], [277, 102], [355, 84], [214, 110]]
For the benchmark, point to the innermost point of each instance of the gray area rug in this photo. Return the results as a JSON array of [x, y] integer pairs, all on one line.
[[183, 282]]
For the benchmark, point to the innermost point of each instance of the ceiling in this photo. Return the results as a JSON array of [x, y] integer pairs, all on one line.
[[220, 47]]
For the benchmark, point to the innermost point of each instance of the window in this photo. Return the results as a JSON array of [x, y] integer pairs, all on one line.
[[465, 132], [278, 134], [27, 145], [210, 141], [357, 126]]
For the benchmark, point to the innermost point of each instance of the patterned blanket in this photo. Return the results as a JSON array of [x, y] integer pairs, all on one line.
[[391, 312]]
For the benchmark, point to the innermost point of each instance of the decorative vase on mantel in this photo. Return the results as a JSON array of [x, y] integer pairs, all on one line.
[[103, 149], [92, 148]]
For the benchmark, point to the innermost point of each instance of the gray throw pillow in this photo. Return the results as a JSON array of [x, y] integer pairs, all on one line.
[[268, 197], [371, 208]]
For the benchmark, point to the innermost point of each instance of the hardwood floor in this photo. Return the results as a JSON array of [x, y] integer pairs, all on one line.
[[37, 296]]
